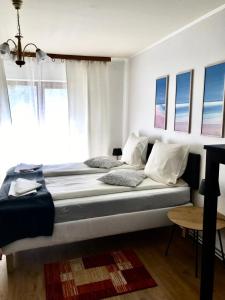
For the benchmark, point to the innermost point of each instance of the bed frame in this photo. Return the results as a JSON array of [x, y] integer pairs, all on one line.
[[79, 230]]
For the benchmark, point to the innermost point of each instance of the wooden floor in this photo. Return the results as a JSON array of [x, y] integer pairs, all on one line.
[[174, 274]]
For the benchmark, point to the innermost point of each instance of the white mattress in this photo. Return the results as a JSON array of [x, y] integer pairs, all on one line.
[[77, 186], [118, 203]]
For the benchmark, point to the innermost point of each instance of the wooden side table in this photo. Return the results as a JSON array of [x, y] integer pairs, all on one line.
[[190, 217]]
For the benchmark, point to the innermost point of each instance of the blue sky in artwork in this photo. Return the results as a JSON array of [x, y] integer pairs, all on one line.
[[183, 87], [214, 83], [161, 90], [216, 108]]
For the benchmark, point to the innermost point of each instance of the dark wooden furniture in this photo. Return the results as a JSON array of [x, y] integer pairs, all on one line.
[[215, 155]]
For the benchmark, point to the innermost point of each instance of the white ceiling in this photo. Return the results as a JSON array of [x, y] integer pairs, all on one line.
[[117, 28]]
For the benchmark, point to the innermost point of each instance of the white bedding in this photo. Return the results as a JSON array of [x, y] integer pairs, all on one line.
[[70, 169], [79, 169], [78, 186]]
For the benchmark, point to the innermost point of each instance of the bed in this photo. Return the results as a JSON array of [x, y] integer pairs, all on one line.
[[81, 216]]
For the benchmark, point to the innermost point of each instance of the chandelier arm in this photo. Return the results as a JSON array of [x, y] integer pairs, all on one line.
[[30, 44], [10, 40]]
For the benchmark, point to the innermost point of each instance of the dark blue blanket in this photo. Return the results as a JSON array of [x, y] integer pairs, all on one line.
[[25, 216]]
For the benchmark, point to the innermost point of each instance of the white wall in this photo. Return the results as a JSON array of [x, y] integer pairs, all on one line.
[[193, 48]]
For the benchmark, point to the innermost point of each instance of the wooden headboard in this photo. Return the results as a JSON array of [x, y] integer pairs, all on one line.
[[192, 172]]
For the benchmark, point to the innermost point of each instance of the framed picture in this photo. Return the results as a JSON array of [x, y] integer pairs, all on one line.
[[161, 97], [213, 100], [183, 100]]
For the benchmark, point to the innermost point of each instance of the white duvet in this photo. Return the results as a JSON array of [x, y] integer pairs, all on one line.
[[79, 169], [77, 186]]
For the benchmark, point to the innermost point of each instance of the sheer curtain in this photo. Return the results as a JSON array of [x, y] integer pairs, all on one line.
[[88, 106], [59, 111], [98, 108], [5, 121], [77, 89], [39, 110], [5, 115]]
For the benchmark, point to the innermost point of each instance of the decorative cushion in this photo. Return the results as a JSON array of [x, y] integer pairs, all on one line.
[[134, 149], [167, 162], [123, 177], [105, 162]]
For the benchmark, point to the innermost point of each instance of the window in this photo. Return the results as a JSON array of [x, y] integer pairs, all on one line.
[[39, 113]]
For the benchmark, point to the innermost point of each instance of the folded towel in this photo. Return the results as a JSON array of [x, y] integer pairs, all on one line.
[[23, 186], [14, 194], [26, 168]]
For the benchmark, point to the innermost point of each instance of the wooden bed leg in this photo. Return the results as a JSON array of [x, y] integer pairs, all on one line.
[[10, 261]]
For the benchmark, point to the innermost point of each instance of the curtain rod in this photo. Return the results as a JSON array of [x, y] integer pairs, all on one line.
[[72, 57]]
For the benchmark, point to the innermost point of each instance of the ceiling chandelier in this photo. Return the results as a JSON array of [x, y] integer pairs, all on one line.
[[18, 53]]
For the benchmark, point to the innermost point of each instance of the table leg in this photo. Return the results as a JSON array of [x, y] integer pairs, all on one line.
[[196, 254], [170, 239], [194, 238], [221, 245]]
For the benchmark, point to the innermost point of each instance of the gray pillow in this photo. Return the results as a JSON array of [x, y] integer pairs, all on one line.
[[129, 178], [105, 162]]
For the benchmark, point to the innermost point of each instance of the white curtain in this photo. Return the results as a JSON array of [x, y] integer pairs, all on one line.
[[59, 111], [77, 90], [88, 97], [98, 109], [5, 121], [39, 110], [5, 115]]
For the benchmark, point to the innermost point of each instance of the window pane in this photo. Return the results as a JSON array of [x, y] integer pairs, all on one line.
[[56, 107], [23, 102], [56, 127]]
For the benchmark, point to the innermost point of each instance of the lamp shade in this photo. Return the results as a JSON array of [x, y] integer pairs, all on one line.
[[202, 189], [41, 55], [117, 152], [4, 48]]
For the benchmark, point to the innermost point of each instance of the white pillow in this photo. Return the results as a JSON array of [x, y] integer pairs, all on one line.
[[133, 150], [167, 162], [144, 145]]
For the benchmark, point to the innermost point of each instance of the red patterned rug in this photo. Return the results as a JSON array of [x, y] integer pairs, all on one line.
[[96, 277]]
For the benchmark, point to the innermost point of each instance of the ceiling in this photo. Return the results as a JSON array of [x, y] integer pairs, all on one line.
[[117, 28]]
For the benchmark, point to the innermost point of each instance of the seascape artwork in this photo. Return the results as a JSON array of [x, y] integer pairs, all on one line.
[[183, 102], [161, 102], [213, 102]]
